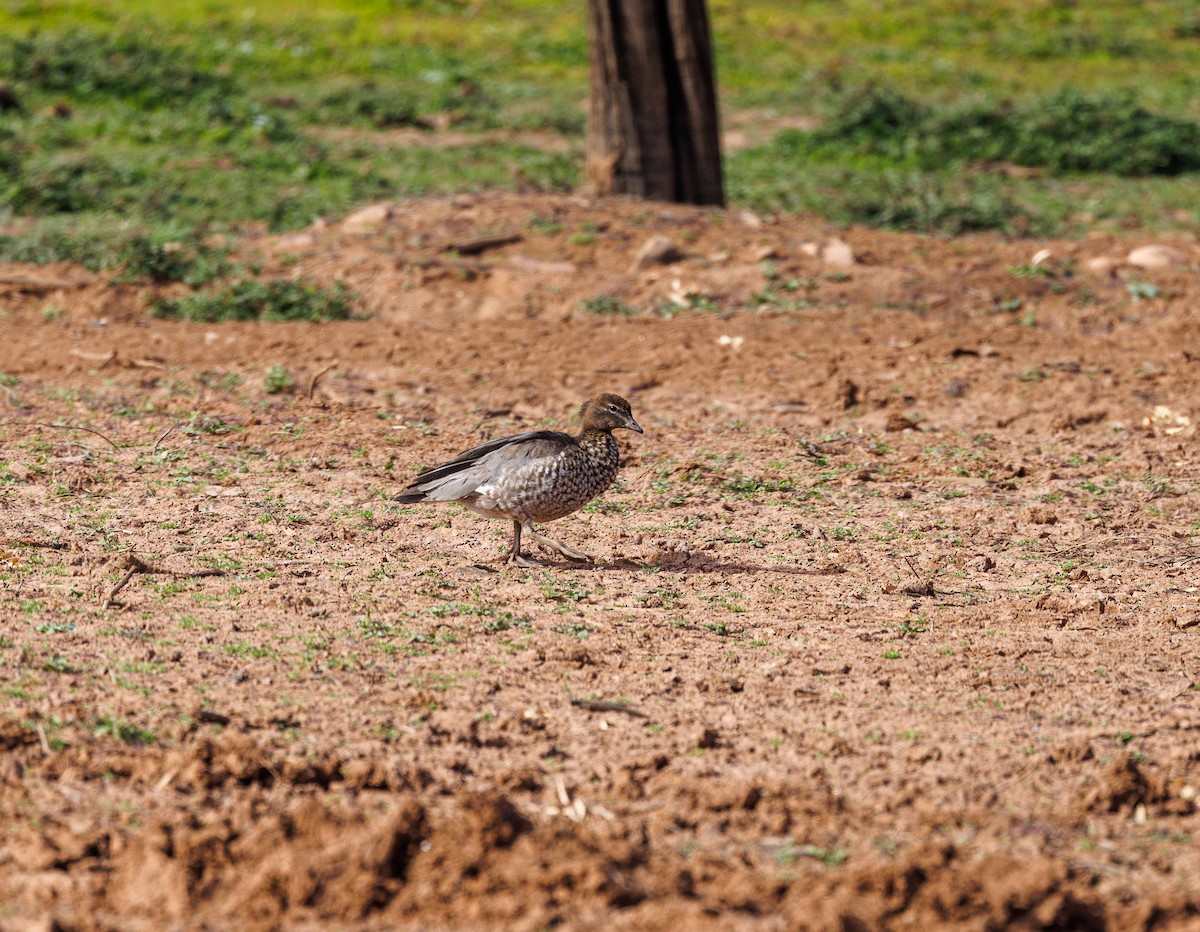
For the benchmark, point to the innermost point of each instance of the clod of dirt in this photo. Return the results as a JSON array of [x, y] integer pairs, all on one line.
[[312, 857], [1125, 786], [897, 422], [667, 552]]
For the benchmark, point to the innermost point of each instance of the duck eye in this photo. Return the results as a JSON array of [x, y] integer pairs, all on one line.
[[612, 408]]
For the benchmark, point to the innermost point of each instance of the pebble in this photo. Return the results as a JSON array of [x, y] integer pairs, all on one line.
[[837, 252], [657, 250], [1155, 256], [367, 219]]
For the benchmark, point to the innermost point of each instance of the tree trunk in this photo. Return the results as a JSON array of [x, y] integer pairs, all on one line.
[[653, 130]]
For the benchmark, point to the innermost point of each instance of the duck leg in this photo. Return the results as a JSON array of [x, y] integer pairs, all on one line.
[[515, 558], [569, 552]]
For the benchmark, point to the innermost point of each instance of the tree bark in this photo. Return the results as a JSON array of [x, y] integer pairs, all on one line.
[[653, 129]]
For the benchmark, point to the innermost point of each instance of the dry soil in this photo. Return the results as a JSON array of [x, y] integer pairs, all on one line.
[[894, 621]]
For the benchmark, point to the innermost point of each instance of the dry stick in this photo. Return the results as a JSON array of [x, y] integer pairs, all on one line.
[[472, 247], [137, 565], [103, 358], [34, 542], [134, 565], [312, 383], [104, 437], [41, 733], [593, 705], [163, 436]]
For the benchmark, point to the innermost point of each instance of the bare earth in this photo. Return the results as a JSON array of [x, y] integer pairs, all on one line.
[[894, 624]]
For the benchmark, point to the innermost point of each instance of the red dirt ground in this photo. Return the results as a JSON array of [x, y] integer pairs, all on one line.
[[894, 624]]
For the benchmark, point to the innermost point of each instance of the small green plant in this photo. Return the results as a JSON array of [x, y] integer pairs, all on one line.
[[55, 627], [124, 731], [607, 304], [251, 299], [148, 258], [278, 380], [1142, 291], [830, 857]]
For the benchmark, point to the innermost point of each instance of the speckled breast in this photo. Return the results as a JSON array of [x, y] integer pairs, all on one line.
[[554, 487]]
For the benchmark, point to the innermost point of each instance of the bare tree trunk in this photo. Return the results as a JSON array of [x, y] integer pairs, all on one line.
[[653, 129]]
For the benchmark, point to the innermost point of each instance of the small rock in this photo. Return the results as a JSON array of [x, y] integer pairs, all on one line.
[[837, 252], [1101, 265], [295, 242], [1155, 257], [658, 250], [525, 264], [1162, 421], [765, 253], [751, 219], [367, 219], [810, 249], [897, 422], [668, 552]]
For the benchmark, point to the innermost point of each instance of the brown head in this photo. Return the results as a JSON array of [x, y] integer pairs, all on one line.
[[607, 412]]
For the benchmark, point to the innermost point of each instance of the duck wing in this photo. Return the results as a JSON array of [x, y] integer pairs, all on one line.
[[465, 473]]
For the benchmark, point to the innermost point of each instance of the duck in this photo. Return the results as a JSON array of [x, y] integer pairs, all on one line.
[[534, 477]]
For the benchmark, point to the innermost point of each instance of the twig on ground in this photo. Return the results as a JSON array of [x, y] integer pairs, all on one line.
[[472, 247], [163, 436], [137, 565], [102, 358], [41, 733], [134, 566], [593, 705], [90, 430], [312, 383]]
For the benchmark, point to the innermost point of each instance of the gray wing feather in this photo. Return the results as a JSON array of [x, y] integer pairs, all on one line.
[[462, 475]]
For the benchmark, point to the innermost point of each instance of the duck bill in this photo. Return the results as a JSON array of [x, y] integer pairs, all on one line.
[[633, 425]]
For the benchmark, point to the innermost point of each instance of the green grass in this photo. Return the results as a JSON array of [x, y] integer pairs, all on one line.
[[147, 123], [251, 299]]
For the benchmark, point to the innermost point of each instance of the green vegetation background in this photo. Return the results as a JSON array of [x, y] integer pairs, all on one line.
[[146, 122]]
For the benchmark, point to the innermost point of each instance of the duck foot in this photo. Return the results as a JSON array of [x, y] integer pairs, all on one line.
[[569, 552], [519, 559]]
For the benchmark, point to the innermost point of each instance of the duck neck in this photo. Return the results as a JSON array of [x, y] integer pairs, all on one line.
[[597, 441]]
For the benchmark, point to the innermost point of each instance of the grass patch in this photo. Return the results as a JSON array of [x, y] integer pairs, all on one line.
[[145, 123], [147, 258], [251, 299], [886, 160], [1066, 131]]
